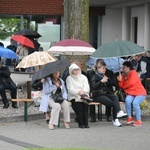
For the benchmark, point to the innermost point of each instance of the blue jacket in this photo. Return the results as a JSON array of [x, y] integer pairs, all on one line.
[[48, 88]]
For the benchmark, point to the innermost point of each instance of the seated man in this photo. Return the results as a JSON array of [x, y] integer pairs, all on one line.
[[7, 83]]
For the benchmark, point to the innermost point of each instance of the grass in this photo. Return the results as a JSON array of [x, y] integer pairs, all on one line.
[[58, 149]]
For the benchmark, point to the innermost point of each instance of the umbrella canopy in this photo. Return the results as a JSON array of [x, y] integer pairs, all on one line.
[[117, 49], [36, 59], [72, 47], [23, 40], [111, 63], [50, 68], [28, 33], [7, 53]]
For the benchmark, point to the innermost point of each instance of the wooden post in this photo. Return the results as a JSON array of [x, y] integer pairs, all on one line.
[[28, 89]]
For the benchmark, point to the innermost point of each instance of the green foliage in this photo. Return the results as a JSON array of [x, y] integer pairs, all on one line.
[[145, 106], [9, 26]]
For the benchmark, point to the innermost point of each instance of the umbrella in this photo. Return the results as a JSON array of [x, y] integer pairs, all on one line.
[[23, 40], [7, 53], [117, 49], [50, 68], [36, 59], [28, 33], [111, 63], [72, 47]]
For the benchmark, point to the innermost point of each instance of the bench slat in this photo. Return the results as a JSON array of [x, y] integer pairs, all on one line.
[[22, 100]]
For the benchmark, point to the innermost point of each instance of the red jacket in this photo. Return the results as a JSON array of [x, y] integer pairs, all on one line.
[[132, 85]]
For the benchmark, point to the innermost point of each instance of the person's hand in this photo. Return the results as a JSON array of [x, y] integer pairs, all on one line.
[[81, 92], [42, 80], [119, 78], [105, 79], [57, 84]]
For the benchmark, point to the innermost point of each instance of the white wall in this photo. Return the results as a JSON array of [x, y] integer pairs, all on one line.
[[139, 13], [112, 25]]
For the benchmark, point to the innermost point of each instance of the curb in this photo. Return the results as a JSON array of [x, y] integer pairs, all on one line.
[[41, 116]]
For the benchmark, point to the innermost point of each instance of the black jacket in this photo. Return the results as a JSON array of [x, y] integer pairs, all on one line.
[[5, 75], [147, 61], [99, 88]]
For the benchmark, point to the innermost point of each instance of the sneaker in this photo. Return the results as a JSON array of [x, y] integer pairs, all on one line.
[[129, 120], [137, 123], [116, 123], [121, 114]]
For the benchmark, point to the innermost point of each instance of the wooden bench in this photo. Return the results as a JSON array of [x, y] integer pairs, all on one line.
[[99, 105], [25, 106]]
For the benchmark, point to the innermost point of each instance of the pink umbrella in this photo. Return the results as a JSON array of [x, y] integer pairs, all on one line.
[[72, 47]]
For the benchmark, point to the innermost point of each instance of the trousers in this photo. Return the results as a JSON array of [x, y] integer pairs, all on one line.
[[13, 89], [56, 108], [135, 101]]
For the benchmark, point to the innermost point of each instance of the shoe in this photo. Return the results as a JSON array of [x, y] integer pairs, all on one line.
[[6, 106], [108, 119], [121, 114], [137, 123], [15, 106], [51, 126], [93, 120], [129, 120], [47, 121], [116, 123], [82, 127], [66, 124], [87, 126], [47, 116]]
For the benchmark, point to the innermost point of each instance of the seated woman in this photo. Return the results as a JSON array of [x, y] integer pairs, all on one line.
[[77, 85], [130, 82], [100, 84], [51, 84]]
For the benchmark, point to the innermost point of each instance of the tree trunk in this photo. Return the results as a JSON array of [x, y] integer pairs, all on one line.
[[76, 18]]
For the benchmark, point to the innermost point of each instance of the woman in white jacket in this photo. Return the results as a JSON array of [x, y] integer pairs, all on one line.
[[77, 85]]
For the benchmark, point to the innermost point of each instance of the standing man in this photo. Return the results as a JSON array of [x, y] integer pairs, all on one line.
[[11, 62]]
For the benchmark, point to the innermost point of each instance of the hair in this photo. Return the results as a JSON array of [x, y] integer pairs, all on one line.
[[128, 64], [99, 63], [52, 79], [1, 44]]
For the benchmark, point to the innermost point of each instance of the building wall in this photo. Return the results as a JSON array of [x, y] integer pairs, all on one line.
[[112, 25], [139, 13], [16, 7]]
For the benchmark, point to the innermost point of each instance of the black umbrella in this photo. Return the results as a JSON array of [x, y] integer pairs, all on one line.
[[28, 33], [50, 68]]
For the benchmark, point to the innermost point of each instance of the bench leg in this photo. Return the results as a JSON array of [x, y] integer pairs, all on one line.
[[25, 111], [99, 112]]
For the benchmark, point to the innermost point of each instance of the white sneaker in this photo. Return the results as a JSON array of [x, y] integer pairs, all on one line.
[[121, 114], [116, 123]]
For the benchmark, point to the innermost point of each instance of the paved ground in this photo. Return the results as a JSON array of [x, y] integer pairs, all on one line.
[[101, 136]]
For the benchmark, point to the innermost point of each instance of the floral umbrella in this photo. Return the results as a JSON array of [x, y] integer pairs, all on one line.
[[36, 59]]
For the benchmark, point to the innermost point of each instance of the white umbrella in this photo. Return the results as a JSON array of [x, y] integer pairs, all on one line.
[[72, 47]]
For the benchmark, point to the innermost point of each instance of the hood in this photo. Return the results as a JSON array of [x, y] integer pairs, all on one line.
[[72, 67]]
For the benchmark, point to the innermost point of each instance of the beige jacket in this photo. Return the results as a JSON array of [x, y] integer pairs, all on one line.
[[76, 83]]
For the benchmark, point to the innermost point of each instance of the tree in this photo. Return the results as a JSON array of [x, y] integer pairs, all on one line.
[[76, 18], [9, 26]]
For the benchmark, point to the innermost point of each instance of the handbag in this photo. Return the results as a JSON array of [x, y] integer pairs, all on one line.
[[57, 96], [121, 95]]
